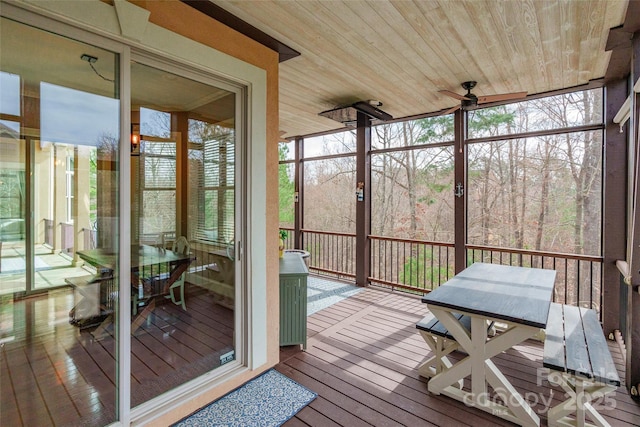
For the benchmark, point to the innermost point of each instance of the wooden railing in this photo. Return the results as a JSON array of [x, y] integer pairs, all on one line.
[[415, 265], [578, 277], [420, 266], [333, 254]]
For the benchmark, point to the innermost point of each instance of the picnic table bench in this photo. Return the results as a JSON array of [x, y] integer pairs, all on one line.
[[576, 351], [441, 343]]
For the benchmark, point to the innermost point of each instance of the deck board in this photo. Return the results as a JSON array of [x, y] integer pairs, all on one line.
[[362, 359]]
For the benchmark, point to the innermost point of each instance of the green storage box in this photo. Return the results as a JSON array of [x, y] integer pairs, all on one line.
[[293, 300]]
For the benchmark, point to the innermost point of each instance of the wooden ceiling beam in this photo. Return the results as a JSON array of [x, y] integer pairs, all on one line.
[[219, 14], [619, 43]]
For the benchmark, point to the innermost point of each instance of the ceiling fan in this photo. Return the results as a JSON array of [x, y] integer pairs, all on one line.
[[469, 101]]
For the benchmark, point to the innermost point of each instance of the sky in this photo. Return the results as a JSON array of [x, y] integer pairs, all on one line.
[[67, 115], [75, 117]]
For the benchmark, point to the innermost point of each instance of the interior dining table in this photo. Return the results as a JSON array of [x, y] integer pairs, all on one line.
[[153, 270], [517, 297]]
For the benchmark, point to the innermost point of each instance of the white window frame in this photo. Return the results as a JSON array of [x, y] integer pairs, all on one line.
[[69, 174]]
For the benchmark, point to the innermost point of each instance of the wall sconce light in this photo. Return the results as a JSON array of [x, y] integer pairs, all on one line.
[[135, 139]]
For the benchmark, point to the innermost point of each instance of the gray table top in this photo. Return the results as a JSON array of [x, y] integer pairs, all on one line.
[[514, 294], [291, 264], [141, 255]]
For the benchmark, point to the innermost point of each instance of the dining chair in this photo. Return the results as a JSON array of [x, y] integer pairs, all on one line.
[[180, 246]]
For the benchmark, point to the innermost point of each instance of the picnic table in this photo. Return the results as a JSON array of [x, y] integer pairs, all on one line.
[[516, 296]]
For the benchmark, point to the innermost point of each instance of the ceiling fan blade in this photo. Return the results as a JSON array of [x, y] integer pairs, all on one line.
[[501, 97], [453, 95], [450, 110]]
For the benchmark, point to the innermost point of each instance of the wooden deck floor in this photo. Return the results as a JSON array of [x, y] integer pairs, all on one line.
[[362, 359]]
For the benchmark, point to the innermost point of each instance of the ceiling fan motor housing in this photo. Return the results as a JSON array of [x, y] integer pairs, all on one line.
[[469, 85], [469, 101], [472, 100]]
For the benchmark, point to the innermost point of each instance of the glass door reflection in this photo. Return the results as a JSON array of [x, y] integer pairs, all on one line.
[[183, 230], [58, 177]]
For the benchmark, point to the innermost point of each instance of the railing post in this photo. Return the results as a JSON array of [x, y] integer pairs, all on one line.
[[632, 340], [298, 188], [614, 224], [460, 183], [363, 200]]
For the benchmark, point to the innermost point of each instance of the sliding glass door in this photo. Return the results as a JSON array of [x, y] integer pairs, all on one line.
[[183, 203], [59, 182], [84, 338]]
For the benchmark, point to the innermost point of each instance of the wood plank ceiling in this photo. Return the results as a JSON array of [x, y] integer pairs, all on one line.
[[402, 52]]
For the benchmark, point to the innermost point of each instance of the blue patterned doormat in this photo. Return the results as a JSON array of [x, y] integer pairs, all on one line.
[[267, 400]]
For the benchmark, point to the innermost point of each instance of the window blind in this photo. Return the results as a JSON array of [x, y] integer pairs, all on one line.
[[212, 182], [157, 180]]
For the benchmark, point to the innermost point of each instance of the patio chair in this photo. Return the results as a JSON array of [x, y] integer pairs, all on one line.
[[181, 246]]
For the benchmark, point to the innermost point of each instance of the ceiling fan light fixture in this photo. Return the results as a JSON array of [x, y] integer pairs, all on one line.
[[470, 103]]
